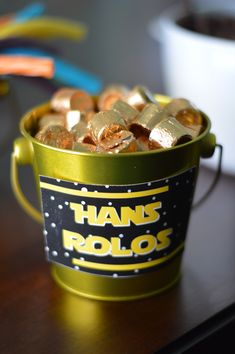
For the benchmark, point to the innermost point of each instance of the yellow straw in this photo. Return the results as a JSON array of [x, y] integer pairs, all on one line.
[[45, 27], [4, 87]]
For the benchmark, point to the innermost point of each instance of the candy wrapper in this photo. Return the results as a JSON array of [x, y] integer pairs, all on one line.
[[119, 121]]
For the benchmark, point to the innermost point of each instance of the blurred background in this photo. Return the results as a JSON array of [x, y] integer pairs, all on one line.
[[117, 49]]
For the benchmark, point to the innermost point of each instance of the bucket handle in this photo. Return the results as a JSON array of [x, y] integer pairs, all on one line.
[[215, 180], [21, 156]]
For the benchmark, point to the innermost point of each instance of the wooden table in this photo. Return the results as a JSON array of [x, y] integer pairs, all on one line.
[[39, 317]]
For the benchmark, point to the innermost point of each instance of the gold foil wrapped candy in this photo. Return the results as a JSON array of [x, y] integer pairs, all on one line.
[[51, 119], [139, 96], [81, 133], [176, 105], [105, 124], [60, 101], [143, 143], [122, 141], [55, 135], [169, 132], [127, 145], [73, 103], [88, 116], [128, 121], [194, 130], [127, 112], [72, 118], [184, 112], [147, 120], [67, 99], [110, 95]]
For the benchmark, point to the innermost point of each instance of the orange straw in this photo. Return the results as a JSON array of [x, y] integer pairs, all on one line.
[[4, 20], [26, 66]]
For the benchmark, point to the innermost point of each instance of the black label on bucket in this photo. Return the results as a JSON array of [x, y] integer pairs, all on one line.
[[116, 230]]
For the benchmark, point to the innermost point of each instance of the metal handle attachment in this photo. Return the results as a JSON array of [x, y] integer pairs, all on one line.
[[215, 180], [21, 155]]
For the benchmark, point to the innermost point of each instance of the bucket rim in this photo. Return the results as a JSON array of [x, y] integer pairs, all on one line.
[[161, 98]]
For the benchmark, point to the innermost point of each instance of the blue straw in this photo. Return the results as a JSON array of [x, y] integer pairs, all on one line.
[[65, 73], [27, 13]]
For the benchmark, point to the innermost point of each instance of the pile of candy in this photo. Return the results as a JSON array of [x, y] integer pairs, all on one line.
[[119, 120]]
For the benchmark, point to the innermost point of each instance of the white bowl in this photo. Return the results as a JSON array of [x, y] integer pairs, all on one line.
[[202, 69]]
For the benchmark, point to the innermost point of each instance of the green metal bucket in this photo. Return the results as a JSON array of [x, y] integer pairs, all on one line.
[[115, 225]]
